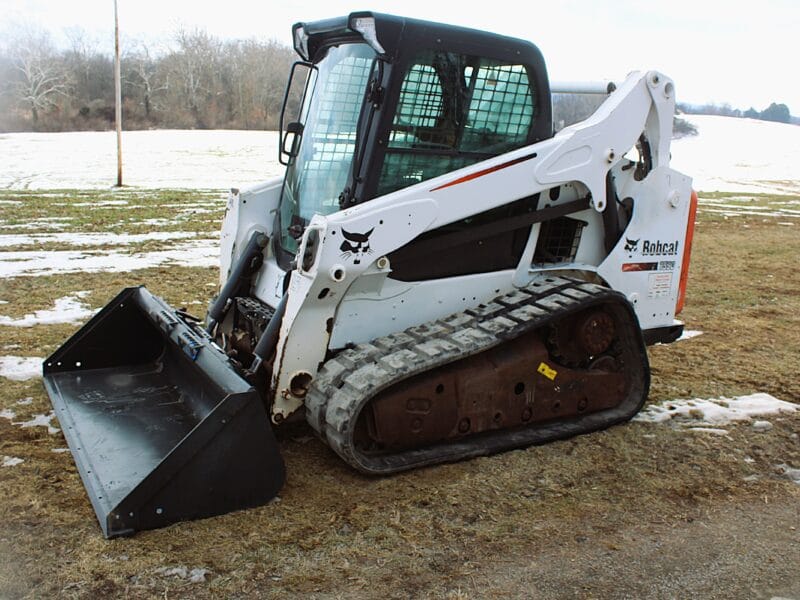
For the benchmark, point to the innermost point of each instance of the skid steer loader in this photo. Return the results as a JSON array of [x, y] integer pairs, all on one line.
[[437, 276]]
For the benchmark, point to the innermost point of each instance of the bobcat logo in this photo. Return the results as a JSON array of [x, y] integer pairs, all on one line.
[[356, 245], [631, 245]]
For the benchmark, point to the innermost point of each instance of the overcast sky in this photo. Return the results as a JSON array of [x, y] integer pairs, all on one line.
[[745, 54]]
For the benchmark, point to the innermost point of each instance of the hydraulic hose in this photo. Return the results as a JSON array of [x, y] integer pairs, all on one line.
[[246, 266], [269, 339]]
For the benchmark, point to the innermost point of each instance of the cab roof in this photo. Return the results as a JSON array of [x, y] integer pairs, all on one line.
[[394, 33]]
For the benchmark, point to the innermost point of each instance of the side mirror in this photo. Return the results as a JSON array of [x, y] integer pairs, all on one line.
[[294, 101]]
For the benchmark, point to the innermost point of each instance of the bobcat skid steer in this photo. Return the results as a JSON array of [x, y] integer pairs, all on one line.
[[437, 276]]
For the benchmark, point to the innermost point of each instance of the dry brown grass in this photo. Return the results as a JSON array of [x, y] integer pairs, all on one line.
[[457, 531]]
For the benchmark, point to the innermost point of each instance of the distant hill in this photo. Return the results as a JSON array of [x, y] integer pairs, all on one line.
[[776, 112]]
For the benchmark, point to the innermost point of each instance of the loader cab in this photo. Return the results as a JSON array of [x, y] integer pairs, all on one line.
[[384, 102]]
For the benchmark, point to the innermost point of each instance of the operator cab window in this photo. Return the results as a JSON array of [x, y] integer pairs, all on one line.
[[318, 174], [453, 111]]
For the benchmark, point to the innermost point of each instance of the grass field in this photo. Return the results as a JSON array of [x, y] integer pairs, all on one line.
[[640, 510]]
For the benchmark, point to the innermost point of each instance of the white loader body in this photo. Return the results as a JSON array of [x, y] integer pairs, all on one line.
[[341, 297]]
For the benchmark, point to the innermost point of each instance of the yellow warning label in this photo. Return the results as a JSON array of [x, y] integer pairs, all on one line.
[[547, 371]]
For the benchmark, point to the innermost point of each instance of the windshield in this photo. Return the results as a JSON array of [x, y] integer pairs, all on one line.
[[318, 174]]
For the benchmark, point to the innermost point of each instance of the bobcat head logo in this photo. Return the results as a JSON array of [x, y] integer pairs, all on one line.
[[356, 245], [631, 245]]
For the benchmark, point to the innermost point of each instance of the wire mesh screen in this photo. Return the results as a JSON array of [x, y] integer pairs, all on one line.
[[331, 135], [558, 241], [454, 110], [420, 105], [501, 101], [340, 101]]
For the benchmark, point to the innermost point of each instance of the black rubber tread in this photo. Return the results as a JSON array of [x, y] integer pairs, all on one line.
[[349, 380]]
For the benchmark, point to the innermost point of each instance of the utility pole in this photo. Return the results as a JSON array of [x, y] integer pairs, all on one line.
[[118, 94]]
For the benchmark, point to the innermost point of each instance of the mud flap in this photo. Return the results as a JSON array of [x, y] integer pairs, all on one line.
[[161, 426]]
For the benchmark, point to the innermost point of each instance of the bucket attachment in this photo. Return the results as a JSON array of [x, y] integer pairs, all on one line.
[[160, 424]]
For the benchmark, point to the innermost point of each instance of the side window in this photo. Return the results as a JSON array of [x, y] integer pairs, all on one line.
[[454, 110], [420, 106], [501, 109]]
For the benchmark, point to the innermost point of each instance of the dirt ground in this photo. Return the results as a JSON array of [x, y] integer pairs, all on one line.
[[638, 511]]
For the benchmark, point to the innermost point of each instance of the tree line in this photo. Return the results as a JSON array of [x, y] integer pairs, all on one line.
[[196, 81], [776, 112], [572, 108]]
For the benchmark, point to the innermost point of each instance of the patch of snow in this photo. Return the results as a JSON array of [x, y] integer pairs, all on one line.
[[738, 212], [3, 301], [762, 425], [689, 334], [20, 368], [196, 575], [25, 401], [713, 430], [42, 421], [791, 473], [746, 212], [201, 253], [154, 222], [59, 450], [7, 413], [68, 309], [715, 411], [52, 223], [10, 461], [92, 239], [95, 204], [754, 210], [10, 202]]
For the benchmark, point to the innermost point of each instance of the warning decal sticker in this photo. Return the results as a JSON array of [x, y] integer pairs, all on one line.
[[545, 370], [659, 285]]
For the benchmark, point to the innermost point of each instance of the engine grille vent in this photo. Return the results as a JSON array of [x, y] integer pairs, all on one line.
[[558, 241]]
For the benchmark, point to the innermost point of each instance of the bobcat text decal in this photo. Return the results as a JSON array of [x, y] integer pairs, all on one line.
[[355, 245], [652, 248], [659, 248]]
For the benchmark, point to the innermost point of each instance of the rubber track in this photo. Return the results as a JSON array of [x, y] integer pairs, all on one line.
[[350, 379]]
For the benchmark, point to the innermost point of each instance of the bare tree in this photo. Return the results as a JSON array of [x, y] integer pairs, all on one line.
[[79, 56], [40, 76], [143, 74], [195, 63]]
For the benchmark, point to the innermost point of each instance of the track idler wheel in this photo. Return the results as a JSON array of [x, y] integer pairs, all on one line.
[[574, 340]]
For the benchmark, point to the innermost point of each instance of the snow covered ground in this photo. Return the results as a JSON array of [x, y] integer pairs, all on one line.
[[740, 155], [92, 239], [202, 253], [151, 159]]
